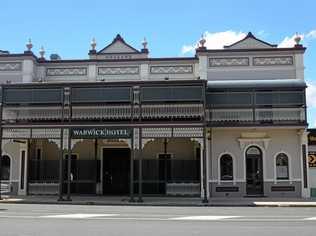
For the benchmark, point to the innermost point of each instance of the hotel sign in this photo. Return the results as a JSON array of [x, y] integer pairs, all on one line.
[[312, 159], [100, 132]]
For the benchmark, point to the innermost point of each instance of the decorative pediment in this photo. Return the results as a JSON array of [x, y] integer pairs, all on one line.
[[248, 138], [243, 142], [250, 42], [118, 45], [118, 50]]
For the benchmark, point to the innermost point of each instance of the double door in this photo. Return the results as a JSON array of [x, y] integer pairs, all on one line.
[[116, 171]]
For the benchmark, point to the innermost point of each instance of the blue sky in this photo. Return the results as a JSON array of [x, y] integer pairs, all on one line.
[[66, 27]]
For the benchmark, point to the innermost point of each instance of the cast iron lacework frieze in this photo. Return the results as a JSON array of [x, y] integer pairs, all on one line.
[[272, 61], [127, 70], [183, 69], [229, 61], [10, 66], [71, 71]]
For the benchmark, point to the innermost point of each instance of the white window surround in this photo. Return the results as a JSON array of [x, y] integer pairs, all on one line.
[[219, 181], [290, 179]]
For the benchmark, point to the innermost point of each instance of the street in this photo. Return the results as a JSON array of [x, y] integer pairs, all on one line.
[[44, 220]]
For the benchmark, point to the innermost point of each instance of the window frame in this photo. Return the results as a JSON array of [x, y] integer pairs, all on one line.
[[220, 168], [277, 177]]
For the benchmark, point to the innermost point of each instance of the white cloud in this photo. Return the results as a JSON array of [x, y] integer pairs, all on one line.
[[311, 34], [289, 42], [187, 49], [216, 40], [261, 32], [311, 94]]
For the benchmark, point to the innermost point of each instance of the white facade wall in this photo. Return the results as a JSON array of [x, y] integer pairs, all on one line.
[[235, 141]]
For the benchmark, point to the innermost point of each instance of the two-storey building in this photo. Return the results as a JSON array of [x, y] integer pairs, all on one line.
[[224, 123]]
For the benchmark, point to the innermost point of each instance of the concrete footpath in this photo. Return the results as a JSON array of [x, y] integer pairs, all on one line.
[[163, 201]]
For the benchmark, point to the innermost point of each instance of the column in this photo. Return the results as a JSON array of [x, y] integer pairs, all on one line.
[[200, 141], [1, 138], [69, 166], [131, 179], [208, 149], [304, 163], [67, 104], [140, 173], [28, 71], [205, 200], [96, 165], [61, 170]]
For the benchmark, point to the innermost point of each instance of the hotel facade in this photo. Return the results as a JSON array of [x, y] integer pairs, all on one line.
[[225, 123]]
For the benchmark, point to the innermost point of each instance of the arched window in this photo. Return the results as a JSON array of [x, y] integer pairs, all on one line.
[[226, 165], [5, 170], [282, 166]]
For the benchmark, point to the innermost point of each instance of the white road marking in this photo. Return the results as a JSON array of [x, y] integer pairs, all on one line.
[[78, 216], [310, 218], [204, 217]]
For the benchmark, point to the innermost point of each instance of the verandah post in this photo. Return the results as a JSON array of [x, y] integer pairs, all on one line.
[[140, 174], [1, 109], [131, 186], [61, 160]]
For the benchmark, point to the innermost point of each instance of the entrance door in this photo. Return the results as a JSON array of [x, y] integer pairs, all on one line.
[[116, 171], [254, 171]]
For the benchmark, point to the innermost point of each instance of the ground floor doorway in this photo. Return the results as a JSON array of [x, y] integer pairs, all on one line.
[[116, 171], [254, 171]]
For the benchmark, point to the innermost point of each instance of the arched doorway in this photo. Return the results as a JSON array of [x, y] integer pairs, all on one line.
[[254, 171]]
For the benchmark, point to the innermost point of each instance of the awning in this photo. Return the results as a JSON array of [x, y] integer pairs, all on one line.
[[274, 83]]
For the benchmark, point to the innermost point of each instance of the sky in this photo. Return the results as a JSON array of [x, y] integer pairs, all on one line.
[[171, 27]]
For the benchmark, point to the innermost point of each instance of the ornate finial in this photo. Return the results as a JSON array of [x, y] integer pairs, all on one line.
[[144, 43], [297, 38], [42, 52], [93, 44], [202, 41], [29, 45]]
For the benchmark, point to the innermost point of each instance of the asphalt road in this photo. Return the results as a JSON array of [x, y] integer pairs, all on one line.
[[53, 220]]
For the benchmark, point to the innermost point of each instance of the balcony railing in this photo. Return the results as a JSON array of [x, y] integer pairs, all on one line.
[[258, 115], [280, 114], [172, 111], [32, 113], [104, 112], [231, 115], [101, 112]]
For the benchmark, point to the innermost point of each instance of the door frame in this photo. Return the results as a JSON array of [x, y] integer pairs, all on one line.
[[101, 158], [262, 168], [172, 156]]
